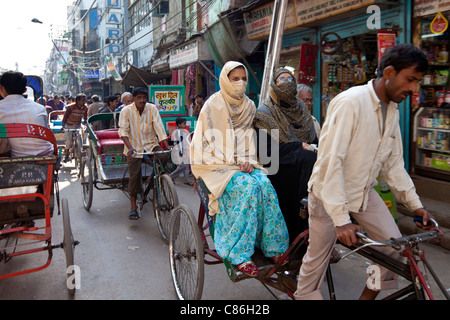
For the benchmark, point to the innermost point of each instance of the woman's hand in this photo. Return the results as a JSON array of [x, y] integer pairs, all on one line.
[[246, 167]]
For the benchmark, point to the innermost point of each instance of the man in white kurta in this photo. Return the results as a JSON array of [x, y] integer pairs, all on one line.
[[361, 138]]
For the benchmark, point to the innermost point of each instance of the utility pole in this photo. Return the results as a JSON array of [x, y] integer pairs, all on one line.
[[273, 47]]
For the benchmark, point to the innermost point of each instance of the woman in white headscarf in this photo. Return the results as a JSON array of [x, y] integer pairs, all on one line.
[[223, 155]]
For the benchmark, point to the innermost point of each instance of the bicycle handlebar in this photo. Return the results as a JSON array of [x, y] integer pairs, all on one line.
[[72, 130], [398, 242], [150, 153], [404, 240]]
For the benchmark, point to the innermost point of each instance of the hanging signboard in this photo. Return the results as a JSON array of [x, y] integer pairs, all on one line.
[[168, 99], [189, 53], [92, 74], [112, 69], [299, 12], [308, 62], [113, 20], [259, 20], [427, 7], [313, 10], [386, 39], [439, 24]]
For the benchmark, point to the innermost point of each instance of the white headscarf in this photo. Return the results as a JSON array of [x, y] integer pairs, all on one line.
[[224, 136]]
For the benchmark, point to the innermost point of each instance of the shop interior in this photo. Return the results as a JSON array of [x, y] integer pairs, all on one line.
[[431, 106], [354, 64]]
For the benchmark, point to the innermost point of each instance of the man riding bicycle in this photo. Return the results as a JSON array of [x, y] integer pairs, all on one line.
[[141, 130], [360, 138], [72, 120]]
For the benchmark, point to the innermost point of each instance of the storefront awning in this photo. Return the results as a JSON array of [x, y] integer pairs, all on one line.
[[224, 45], [136, 77]]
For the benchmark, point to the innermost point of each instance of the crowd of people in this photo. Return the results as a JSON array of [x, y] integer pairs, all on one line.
[[334, 165]]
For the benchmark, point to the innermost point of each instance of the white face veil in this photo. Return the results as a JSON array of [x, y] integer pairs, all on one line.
[[224, 136]]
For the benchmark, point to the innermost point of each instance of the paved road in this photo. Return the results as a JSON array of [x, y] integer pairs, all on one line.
[[121, 259]]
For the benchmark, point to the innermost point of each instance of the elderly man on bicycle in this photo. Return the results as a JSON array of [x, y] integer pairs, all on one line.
[[360, 138], [72, 120], [141, 129]]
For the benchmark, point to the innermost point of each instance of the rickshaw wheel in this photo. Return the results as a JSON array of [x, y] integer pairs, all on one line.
[[186, 255], [68, 242], [163, 204], [87, 182]]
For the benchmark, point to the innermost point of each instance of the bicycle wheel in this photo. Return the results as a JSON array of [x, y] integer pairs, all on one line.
[[165, 199], [87, 182], [68, 242], [186, 255]]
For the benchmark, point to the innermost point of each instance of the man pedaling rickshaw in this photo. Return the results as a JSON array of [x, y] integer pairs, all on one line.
[[72, 120]]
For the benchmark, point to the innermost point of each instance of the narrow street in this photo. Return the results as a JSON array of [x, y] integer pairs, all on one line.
[[121, 259]]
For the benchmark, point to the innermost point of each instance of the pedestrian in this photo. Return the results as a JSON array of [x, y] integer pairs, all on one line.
[[119, 98], [305, 94], [180, 152], [73, 116], [111, 104], [94, 108], [360, 138], [142, 130], [56, 103], [14, 108], [199, 102], [126, 99], [242, 199]]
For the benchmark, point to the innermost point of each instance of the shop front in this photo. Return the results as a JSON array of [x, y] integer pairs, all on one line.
[[334, 45], [430, 143], [192, 66]]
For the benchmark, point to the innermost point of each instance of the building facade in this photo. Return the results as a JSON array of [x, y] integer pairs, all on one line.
[[115, 45]]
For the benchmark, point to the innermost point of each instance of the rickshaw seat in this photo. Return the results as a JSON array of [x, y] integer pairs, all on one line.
[[107, 134], [23, 176], [108, 138]]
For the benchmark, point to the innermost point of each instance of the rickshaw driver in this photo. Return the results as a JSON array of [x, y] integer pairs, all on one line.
[[72, 120], [142, 130], [360, 138]]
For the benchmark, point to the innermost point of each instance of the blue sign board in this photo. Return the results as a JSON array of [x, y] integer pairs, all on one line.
[[91, 74]]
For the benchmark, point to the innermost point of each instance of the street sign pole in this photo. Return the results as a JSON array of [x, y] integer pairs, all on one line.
[[273, 47]]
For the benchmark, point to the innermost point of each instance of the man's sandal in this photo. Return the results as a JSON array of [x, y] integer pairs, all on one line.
[[249, 268], [133, 215]]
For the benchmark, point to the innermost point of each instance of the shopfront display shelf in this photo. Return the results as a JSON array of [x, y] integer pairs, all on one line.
[[432, 142]]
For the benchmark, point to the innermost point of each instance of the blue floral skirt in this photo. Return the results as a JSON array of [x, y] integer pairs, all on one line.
[[249, 216]]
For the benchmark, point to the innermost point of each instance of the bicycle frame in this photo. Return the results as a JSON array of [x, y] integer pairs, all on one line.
[[409, 270], [43, 174], [158, 171]]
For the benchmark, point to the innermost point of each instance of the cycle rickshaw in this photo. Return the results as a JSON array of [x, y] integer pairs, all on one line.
[[28, 187], [104, 166], [189, 251], [78, 147]]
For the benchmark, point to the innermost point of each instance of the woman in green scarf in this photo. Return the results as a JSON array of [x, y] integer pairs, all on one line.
[[295, 131]]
